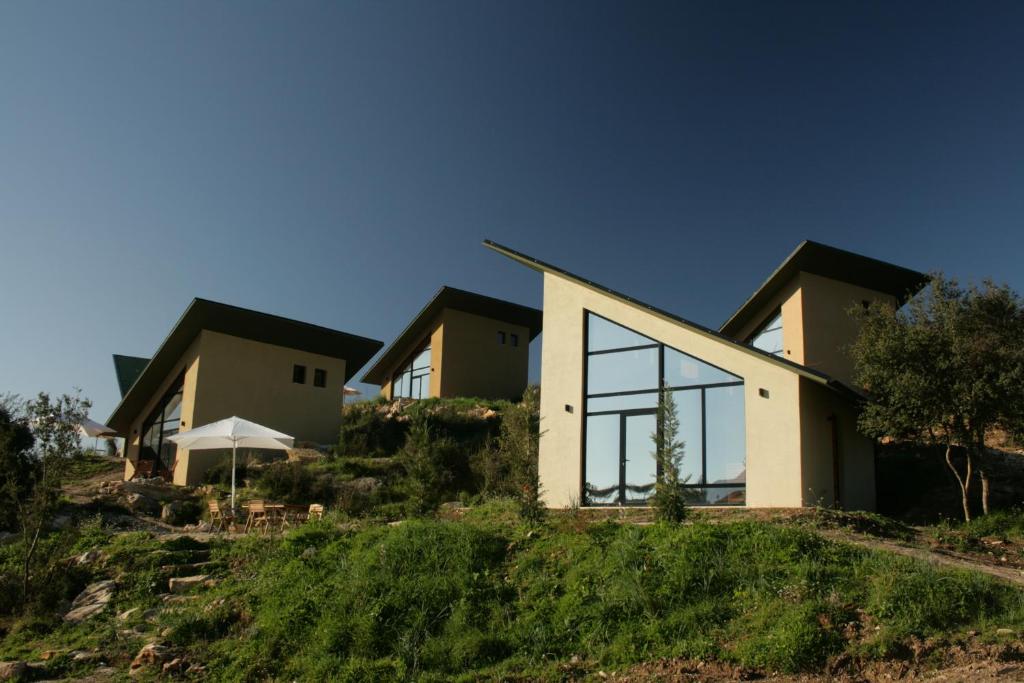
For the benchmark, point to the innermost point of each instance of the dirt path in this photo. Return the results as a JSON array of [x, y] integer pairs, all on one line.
[[937, 557]]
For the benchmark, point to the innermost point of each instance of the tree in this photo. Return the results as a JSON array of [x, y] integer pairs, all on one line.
[[32, 471], [945, 370], [668, 500]]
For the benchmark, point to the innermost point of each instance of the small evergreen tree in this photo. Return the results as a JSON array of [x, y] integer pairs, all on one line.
[[668, 500], [426, 459]]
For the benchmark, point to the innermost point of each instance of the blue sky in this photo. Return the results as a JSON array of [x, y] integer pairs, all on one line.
[[338, 162]]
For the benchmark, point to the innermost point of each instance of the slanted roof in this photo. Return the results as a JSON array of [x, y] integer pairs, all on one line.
[[459, 300], [837, 264], [801, 370], [203, 314], [128, 369]]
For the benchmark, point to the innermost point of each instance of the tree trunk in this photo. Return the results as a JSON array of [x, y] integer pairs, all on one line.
[[26, 570], [964, 481], [982, 472]]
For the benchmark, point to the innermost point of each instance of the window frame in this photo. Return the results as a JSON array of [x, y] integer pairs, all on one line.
[[701, 485], [319, 378], [298, 373]]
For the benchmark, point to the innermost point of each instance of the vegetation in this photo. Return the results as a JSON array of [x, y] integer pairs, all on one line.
[[668, 501], [487, 597], [509, 468], [39, 441], [945, 370]]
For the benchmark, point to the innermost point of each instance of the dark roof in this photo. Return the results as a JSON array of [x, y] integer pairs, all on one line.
[[802, 370], [128, 369], [837, 264], [203, 314], [459, 300]]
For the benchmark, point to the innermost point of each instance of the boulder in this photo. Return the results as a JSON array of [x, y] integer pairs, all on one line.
[[153, 654], [143, 505], [179, 512], [10, 671], [91, 601]]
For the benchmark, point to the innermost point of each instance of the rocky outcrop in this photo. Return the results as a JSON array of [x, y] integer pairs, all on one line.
[[151, 655], [91, 601], [182, 584], [10, 671]]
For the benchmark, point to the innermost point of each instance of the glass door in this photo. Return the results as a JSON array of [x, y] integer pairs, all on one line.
[[639, 466]]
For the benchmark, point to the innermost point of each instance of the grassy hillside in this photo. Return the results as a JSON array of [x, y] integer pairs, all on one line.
[[484, 597]]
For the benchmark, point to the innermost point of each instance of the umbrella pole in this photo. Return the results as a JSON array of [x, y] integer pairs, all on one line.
[[233, 445]]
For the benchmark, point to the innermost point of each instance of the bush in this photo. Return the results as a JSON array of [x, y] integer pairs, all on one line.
[[295, 482]]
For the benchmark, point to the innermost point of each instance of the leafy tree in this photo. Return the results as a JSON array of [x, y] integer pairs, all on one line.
[[945, 370], [33, 470], [426, 458], [668, 500]]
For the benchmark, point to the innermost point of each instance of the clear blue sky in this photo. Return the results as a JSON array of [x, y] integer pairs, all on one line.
[[338, 162]]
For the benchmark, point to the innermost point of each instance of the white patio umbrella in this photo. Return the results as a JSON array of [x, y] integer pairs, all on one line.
[[94, 429], [231, 433]]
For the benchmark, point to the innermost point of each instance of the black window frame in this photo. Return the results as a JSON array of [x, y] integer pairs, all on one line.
[[319, 378], [411, 373], [298, 374], [514, 339], [158, 419], [501, 337], [763, 327], [663, 386]]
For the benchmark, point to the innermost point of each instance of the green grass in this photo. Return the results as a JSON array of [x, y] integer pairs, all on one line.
[[1006, 525], [487, 597], [433, 599]]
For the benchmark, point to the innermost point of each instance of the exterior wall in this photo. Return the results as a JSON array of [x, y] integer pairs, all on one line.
[[473, 363], [772, 424], [828, 326], [189, 364], [819, 407]]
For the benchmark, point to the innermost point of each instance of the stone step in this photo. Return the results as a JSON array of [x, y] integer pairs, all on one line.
[[182, 584], [190, 569]]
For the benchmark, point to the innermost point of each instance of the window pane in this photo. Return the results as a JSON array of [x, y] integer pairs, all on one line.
[[632, 402], [716, 496], [172, 411], [726, 437], [770, 337], [682, 370], [299, 374], [603, 334], [641, 465], [602, 461], [688, 412], [398, 386], [422, 360], [622, 371]]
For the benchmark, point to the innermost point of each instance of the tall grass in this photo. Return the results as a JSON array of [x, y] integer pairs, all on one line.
[[431, 599]]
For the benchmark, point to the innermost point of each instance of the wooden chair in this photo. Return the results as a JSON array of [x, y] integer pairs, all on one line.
[[257, 518], [219, 519], [316, 511]]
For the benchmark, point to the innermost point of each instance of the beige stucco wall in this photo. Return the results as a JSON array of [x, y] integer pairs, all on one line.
[[473, 363], [772, 424], [189, 364], [818, 407], [828, 327]]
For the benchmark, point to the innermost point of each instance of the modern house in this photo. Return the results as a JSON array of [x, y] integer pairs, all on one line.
[[765, 404], [221, 360], [460, 344]]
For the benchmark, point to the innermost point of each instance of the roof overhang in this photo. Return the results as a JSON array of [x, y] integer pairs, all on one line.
[[203, 314], [802, 370], [459, 300], [837, 264]]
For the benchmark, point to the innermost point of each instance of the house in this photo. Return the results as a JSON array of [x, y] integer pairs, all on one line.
[[460, 344], [221, 360], [766, 407]]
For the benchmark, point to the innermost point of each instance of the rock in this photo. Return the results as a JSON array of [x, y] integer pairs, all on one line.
[[83, 656], [8, 537], [174, 666], [10, 671], [89, 557], [182, 584], [1005, 632], [151, 614], [150, 655], [143, 505], [91, 601], [61, 522], [364, 484], [179, 512], [127, 614], [166, 633]]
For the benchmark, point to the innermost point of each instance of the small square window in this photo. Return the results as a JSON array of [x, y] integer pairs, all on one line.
[[319, 378], [299, 374], [501, 337], [515, 339]]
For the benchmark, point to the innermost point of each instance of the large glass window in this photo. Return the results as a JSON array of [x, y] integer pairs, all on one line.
[[624, 373], [163, 422], [413, 381], [769, 336]]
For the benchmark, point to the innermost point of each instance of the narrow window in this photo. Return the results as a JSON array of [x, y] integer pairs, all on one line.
[[501, 337], [319, 378], [515, 339], [299, 374]]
